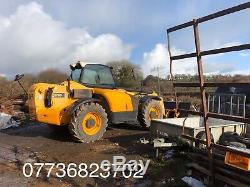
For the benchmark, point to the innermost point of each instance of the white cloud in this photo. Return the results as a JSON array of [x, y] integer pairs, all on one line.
[[103, 48], [158, 57], [215, 67], [31, 40], [241, 72]]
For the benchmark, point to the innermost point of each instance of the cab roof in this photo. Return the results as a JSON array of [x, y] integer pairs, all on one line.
[[81, 64]]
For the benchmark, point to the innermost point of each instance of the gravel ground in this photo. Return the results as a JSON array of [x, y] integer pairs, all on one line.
[[41, 143]]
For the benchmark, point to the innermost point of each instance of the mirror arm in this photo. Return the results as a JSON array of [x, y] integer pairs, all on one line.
[[26, 93]]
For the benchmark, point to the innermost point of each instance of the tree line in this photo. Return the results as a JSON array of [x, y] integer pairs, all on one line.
[[126, 74]]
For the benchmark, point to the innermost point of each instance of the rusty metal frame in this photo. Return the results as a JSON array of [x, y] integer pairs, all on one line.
[[211, 16], [202, 84]]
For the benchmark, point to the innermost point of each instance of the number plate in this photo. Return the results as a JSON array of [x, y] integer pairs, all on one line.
[[238, 161]]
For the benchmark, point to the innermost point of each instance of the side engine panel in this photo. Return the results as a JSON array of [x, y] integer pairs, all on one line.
[[54, 108]]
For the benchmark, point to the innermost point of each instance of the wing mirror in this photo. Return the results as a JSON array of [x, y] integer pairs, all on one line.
[[18, 77]]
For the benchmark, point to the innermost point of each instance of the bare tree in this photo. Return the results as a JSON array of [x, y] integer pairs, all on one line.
[[52, 76]]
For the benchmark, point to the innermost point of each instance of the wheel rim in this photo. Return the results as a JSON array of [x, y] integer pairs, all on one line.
[[154, 113], [91, 123]]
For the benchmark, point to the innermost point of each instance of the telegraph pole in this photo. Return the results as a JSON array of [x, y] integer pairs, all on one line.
[[158, 78], [159, 86]]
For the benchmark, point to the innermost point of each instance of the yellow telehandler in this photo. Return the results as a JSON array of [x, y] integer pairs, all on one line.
[[89, 100]]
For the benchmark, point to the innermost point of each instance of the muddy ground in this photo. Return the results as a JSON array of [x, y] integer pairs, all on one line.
[[41, 143]]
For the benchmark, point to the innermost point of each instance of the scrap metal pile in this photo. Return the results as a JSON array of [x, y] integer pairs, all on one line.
[[12, 111], [12, 106]]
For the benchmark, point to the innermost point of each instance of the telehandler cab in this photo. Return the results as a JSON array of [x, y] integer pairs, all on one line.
[[89, 100]]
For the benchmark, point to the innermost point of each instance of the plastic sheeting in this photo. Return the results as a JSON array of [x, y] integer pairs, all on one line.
[[193, 182], [7, 121]]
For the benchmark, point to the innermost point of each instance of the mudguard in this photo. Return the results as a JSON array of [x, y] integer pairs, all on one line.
[[82, 101], [145, 98]]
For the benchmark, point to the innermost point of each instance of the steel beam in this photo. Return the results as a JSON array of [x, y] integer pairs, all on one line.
[[213, 51], [211, 16]]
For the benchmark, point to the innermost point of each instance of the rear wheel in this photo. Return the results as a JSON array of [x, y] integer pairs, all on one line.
[[228, 137], [150, 109], [88, 122]]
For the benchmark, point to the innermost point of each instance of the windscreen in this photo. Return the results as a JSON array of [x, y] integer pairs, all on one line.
[[93, 74]]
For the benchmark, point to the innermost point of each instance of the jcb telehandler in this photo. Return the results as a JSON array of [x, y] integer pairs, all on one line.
[[89, 100]]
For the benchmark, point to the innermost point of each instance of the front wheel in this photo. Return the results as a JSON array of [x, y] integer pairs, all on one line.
[[88, 122]]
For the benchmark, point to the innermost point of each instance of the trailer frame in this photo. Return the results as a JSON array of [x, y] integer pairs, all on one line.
[[202, 84]]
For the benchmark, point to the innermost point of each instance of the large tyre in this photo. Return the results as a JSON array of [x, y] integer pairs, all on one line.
[[228, 137], [202, 135], [88, 122], [150, 109]]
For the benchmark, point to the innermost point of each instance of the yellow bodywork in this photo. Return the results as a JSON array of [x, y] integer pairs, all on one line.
[[58, 113], [118, 100]]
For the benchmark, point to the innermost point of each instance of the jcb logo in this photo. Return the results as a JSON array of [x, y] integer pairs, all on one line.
[[58, 95]]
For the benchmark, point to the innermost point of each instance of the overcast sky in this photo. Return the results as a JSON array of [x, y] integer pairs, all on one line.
[[36, 35]]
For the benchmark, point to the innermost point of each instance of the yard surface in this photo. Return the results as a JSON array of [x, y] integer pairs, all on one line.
[[41, 143]]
